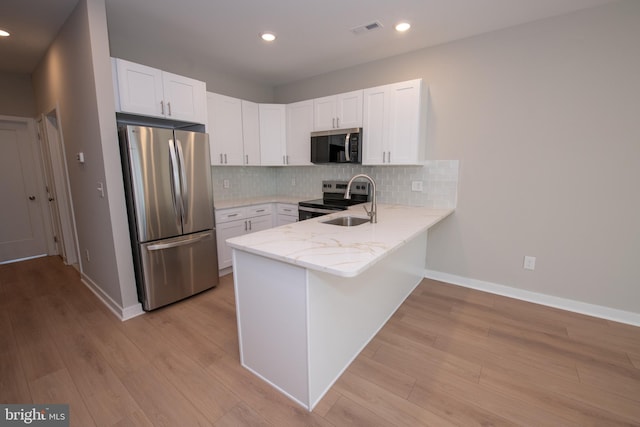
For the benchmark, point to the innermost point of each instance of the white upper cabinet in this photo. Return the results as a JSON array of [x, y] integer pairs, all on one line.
[[224, 126], [392, 124], [251, 133], [338, 111], [151, 92], [272, 134], [299, 128]]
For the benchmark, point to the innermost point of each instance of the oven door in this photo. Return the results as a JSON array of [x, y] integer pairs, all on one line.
[[305, 212]]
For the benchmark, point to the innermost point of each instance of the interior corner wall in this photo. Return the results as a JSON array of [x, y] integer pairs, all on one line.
[[544, 120], [72, 75], [17, 95]]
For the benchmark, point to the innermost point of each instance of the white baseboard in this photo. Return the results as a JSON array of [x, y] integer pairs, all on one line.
[[602, 312], [123, 313]]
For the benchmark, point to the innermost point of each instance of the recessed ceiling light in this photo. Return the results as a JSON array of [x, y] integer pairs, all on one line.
[[403, 26], [268, 36], [4, 33]]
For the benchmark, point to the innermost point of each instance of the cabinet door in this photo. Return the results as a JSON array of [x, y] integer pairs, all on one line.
[[349, 110], [251, 132], [299, 127], [324, 113], [259, 223], [375, 126], [185, 98], [272, 134], [139, 89], [226, 231], [225, 130], [286, 219], [404, 123]]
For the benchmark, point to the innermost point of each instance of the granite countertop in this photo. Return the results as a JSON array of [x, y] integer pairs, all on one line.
[[342, 251], [238, 203]]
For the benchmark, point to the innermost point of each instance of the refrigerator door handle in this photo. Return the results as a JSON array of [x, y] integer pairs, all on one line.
[[184, 184], [175, 182], [181, 242]]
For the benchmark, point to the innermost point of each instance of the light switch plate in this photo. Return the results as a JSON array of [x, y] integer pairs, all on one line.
[[416, 185]]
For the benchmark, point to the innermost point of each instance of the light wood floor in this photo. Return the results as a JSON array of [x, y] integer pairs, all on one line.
[[449, 356]]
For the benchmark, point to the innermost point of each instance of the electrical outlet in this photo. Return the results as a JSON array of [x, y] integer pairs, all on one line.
[[100, 188], [529, 263], [225, 183], [416, 185], [86, 255]]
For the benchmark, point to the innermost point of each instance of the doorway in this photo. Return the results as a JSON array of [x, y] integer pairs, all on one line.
[[58, 189]]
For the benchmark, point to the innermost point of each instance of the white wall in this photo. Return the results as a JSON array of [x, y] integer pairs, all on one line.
[[17, 97], [544, 120], [76, 73]]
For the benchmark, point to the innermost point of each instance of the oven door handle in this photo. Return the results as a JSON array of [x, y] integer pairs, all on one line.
[[318, 210]]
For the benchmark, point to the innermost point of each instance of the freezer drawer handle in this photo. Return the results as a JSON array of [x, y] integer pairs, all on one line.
[[175, 244]]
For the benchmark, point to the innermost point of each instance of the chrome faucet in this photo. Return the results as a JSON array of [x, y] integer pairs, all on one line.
[[373, 213]]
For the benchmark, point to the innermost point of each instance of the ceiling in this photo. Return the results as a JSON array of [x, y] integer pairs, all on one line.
[[314, 37]]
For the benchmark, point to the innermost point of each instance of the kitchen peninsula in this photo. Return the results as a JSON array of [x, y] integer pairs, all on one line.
[[310, 295]]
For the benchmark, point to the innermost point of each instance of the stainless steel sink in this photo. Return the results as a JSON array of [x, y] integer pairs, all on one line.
[[346, 221]]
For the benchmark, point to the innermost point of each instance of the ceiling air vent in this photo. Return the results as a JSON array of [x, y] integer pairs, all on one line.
[[366, 28]]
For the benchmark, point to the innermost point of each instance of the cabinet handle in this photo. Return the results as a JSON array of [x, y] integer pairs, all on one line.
[[232, 215], [245, 226], [221, 162], [384, 156], [287, 210], [260, 210], [249, 225], [169, 107], [389, 157], [338, 122], [225, 158], [333, 122], [287, 156], [284, 162], [246, 156], [162, 107]]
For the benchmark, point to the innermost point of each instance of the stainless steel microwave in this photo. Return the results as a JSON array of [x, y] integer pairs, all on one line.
[[336, 146]]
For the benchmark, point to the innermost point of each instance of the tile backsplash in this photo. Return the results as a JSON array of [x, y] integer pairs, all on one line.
[[439, 182]]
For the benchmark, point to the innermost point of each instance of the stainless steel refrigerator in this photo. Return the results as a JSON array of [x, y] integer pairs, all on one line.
[[167, 176]]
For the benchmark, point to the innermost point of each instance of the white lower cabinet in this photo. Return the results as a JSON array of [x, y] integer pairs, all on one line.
[[236, 222], [286, 213]]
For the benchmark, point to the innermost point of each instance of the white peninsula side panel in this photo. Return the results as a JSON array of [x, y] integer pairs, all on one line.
[[271, 307], [299, 329]]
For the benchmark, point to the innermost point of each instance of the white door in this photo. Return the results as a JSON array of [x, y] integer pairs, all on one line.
[[21, 220], [185, 98], [349, 107], [53, 152], [225, 130], [272, 134], [375, 126], [251, 132], [324, 113], [140, 89], [54, 242], [299, 127]]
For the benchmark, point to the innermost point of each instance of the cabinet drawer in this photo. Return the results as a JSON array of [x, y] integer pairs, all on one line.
[[259, 210], [287, 209], [226, 215]]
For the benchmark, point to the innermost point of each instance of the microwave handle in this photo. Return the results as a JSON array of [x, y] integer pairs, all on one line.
[[346, 148]]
